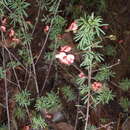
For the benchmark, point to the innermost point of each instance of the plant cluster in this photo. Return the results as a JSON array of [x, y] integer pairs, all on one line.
[[92, 81], [45, 103], [48, 102], [68, 93]]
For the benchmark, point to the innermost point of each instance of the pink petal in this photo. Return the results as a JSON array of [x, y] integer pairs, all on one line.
[[11, 33], [65, 59], [3, 28], [60, 55], [70, 58], [96, 86], [16, 40], [73, 26], [66, 48], [82, 75], [46, 29], [4, 21]]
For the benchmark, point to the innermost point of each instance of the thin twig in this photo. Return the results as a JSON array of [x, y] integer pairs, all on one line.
[[106, 125], [48, 32], [6, 6], [38, 14], [33, 65], [2, 105], [50, 65], [77, 115], [15, 74], [89, 94], [5, 82], [6, 92], [117, 63]]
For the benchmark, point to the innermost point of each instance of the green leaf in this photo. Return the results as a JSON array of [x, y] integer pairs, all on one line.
[[68, 93], [48, 102], [125, 103], [38, 122], [23, 98]]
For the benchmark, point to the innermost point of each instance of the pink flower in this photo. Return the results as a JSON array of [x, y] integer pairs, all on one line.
[[65, 48], [65, 59], [46, 29], [16, 40], [70, 58], [3, 28], [4, 21], [82, 75], [73, 26], [121, 41], [11, 33], [96, 86], [61, 55]]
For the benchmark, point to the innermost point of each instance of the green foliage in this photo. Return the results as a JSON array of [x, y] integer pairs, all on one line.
[[104, 120], [25, 55], [46, 4], [57, 26], [56, 29], [75, 10], [48, 102], [25, 37], [2, 73], [18, 8], [48, 56], [91, 127], [90, 57], [80, 81], [38, 122], [13, 64], [84, 89], [51, 6], [125, 104], [104, 74], [103, 97], [68, 93], [23, 98], [2, 8], [20, 113], [110, 50], [124, 84], [89, 30], [100, 5], [89, 36], [57, 44]]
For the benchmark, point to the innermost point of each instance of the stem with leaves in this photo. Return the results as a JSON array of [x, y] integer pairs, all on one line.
[[88, 33]]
